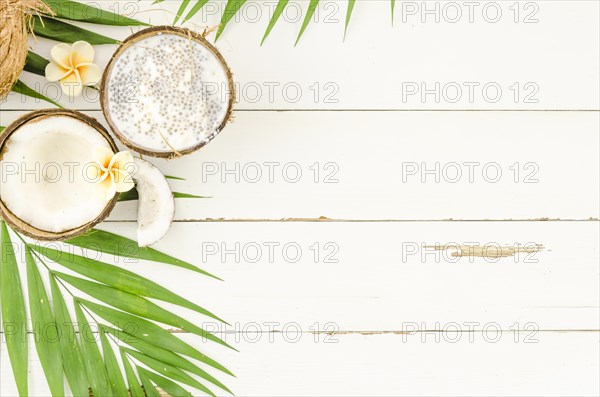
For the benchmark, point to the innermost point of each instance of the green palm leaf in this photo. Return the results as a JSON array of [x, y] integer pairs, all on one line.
[[167, 385], [119, 278], [276, 14], [132, 195], [148, 386], [136, 305], [36, 63], [113, 244], [199, 4], [312, 7], [54, 29], [134, 386], [92, 359], [167, 370], [80, 358], [174, 178], [112, 367], [393, 8], [181, 10], [81, 12], [168, 357], [146, 330], [23, 89], [351, 4], [69, 345], [43, 324], [14, 317], [231, 8]]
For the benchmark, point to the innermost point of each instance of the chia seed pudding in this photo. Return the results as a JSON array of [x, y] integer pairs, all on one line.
[[167, 93]]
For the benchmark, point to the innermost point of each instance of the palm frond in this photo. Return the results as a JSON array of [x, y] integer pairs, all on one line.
[[134, 385], [69, 347], [118, 278], [167, 370], [199, 4], [112, 366], [23, 89], [312, 7], [92, 359], [113, 244], [165, 356], [58, 30], [167, 385], [36, 63], [43, 320], [123, 320], [351, 4], [231, 8], [132, 195], [276, 14], [182, 7]]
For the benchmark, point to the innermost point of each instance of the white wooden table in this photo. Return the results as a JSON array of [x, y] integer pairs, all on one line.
[[347, 161]]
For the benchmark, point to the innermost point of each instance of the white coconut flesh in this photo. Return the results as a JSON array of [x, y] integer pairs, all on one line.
[[43, 181], [167, 93], [156, 205]]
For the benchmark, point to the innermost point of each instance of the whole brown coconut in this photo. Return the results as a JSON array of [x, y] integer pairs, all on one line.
[[16, 17]]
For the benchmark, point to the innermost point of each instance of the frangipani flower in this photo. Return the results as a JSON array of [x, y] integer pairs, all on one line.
[[111, 171], [73, 66]]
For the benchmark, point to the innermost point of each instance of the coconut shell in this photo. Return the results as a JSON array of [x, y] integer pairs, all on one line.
[[23, 227], [153, 31], [16, 17]]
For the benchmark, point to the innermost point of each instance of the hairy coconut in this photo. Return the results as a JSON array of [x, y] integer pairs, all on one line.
[[167, 92], [43, 191], [16, 17]]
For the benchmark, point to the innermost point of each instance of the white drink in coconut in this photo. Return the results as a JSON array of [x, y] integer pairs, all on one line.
[[167, 92]]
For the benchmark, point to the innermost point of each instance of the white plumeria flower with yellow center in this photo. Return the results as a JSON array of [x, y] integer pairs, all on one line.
[[112, 173], [73, 67]]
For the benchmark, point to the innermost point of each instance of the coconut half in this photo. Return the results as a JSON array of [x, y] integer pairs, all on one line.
[[167, 92], [44, 190], [156, 205]]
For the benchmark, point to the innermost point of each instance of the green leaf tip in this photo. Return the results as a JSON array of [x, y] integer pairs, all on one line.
[[312, 7], [231, 8], [113, 244]]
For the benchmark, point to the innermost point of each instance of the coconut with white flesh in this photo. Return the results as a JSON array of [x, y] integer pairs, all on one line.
[[167, 91], [156, 205], [44, 192]]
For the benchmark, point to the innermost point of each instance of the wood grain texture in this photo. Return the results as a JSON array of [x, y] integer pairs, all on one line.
[[391, 165], [376, 304], [398, 365], [375, 277]]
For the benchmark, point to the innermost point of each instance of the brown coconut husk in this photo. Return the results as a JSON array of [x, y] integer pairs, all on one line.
[[152, 31], [23, 227], [16, 17]]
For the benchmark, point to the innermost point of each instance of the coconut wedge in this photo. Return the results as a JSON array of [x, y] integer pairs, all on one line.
[[167, 92], [44, 191], [156, 205]]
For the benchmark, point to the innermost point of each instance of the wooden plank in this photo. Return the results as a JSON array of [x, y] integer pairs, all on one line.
[[391, 165], [508, 64], [558, 364], [381, 276]]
